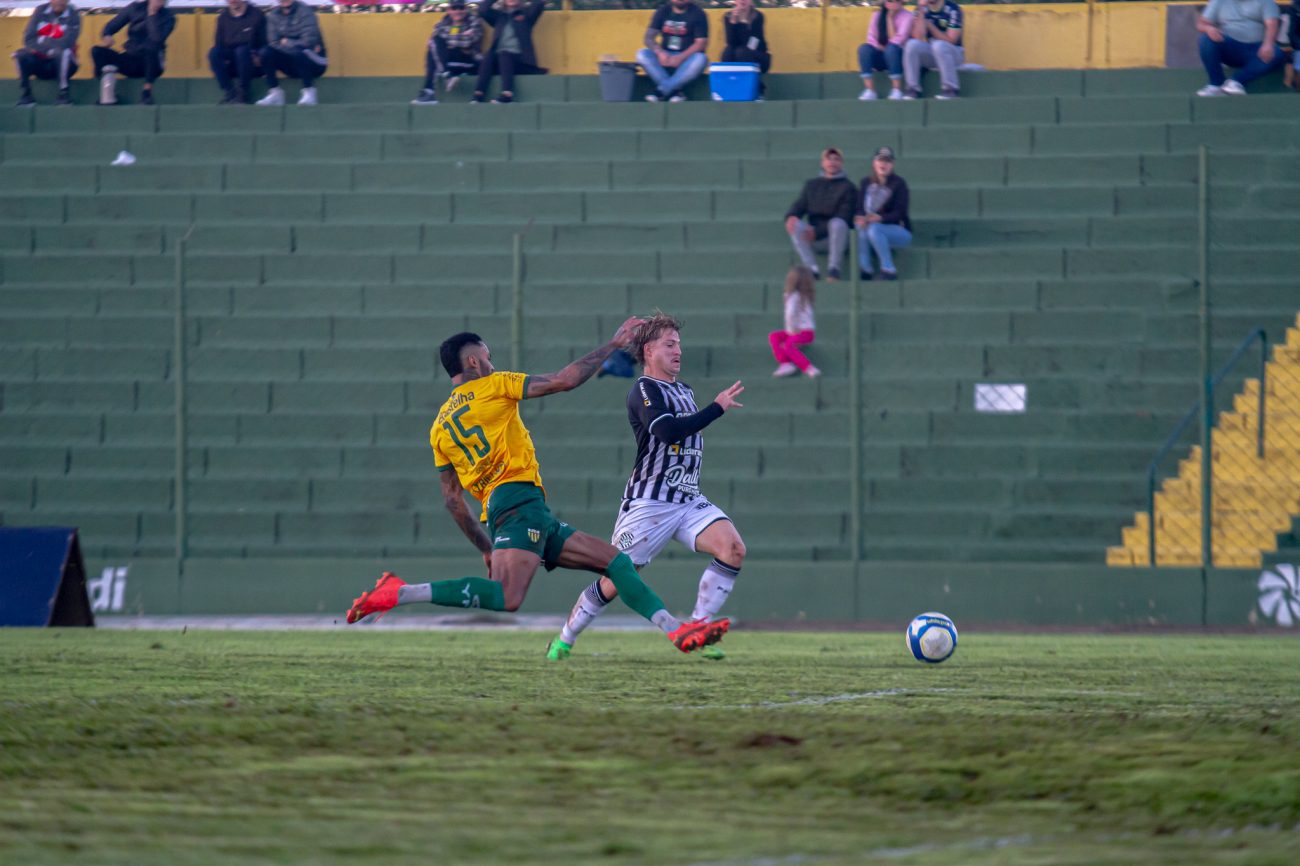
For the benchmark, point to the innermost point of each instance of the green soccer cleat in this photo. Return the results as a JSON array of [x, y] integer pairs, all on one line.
[[557, 650]]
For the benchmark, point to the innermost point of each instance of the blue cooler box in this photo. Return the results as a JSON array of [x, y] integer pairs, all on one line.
[[734, 82]]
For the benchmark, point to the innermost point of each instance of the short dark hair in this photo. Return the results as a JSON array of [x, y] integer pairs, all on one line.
[[451, 348]]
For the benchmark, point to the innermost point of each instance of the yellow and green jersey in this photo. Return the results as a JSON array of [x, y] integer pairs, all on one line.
[[479, 434]]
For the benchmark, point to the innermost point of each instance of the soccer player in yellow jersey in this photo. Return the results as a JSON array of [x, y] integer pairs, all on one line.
[[481, 445]]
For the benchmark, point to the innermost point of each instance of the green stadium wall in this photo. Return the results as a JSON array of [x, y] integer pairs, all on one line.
[[980, 594]]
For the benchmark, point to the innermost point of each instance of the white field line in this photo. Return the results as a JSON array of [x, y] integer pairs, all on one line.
[[991, 844], [816, 701], [392, 622]]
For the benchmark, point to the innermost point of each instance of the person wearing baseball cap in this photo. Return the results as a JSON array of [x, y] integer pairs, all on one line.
[[454, 49], [936, 43], [819, 218], [881, 216]]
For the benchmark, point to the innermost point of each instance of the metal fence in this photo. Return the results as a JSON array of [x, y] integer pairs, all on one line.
[[1237, 485]]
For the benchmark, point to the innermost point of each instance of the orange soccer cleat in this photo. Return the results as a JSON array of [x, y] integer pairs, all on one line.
[[379, 600], [690, 636]]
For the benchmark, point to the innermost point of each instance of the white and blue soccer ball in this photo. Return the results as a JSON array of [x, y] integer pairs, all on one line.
[[931, 638]]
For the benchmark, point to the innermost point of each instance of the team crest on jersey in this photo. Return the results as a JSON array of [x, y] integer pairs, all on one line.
[[534, 535], [625, 540]]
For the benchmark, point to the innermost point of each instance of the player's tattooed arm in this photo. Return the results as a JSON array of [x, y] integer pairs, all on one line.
[[453, 497], [582, 369]]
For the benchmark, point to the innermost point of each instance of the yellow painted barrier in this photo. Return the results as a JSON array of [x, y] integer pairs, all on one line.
[[1030, 36]]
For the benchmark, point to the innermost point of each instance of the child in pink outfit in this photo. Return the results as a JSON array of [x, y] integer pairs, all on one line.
[[800, 292]]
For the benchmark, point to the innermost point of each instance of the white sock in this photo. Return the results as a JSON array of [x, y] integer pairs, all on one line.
[[666, 621], [715, 586], [414, 593], [585, 610]]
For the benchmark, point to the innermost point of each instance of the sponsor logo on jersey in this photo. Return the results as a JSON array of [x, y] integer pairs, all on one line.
[[687, 482], [454, 403], [492, 473]]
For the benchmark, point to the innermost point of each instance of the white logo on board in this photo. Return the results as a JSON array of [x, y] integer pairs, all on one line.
[[1279, 594], [108, 591]]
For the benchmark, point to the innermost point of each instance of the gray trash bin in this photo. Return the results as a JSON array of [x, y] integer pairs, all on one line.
[[617, 80]]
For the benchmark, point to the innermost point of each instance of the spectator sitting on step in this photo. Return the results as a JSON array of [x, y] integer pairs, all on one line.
[[454, 49], [1241, 34], [800, 292], [820, 217], [148, 23], [674, 53], [49, 49], [1292, 76], [512, 52], [295, 48], [888, 32], [240, 38], [881, 216], [745, 40], [936, 43]]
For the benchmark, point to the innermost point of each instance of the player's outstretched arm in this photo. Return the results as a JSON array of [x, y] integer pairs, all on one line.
[[582, 369], [670, 428], [453, 497]]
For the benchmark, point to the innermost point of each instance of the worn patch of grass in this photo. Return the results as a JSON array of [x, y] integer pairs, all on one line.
[[436, 748]]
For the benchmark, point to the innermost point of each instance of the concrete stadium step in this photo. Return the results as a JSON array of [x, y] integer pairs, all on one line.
[[395, 92], [363, 143], [225, 168]]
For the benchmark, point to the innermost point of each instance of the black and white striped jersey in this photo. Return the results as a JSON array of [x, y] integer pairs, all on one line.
[[665, 470]]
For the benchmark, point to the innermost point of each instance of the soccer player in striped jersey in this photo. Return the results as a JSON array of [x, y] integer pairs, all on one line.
[[662, 500], [480, 444]]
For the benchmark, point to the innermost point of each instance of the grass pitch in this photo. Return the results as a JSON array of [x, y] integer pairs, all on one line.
[[370, 747]]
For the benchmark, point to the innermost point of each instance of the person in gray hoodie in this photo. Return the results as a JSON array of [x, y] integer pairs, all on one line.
[[49, 49], [295, 48]]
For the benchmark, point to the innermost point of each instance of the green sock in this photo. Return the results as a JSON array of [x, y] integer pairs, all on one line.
[[632, 589], [468, 592]]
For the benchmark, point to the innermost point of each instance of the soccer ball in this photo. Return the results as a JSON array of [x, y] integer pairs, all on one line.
[[931, 637]]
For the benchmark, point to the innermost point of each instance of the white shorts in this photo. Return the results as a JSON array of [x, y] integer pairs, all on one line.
[[646, 527]]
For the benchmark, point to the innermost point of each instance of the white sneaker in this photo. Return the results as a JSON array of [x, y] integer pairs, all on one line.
[[308, 96], [274, 96], [653, 97], [867, 95], [895, 94], [1233, 88], [1210, 90], [108, 86], [677, 97], [785, 369], [812, 372]]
